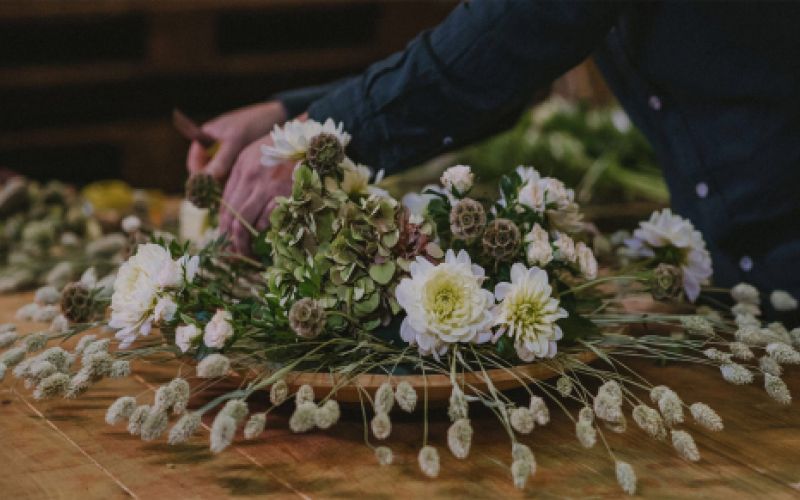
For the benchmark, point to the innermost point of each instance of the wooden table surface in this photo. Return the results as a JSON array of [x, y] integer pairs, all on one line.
[[63, 449]]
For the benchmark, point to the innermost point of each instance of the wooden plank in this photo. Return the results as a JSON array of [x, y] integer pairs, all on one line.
[[756, 455]]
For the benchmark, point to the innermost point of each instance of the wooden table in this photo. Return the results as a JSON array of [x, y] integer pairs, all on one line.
[[63, 449]]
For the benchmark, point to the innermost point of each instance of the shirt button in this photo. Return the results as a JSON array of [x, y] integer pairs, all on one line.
[[654, 102], [447, 140], [701, 189], [746, 263]]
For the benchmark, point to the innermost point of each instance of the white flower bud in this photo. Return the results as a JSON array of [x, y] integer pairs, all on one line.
[[564, 385], [685, 445], [184, 428], [706, 416], [185, 336], [137, 418], [769, 365], [180, 394], [783, 353], [154, 425], [54, 385], [777, 390], [120, 369], [626, 477], [304, 417], [384, 455], [255, 425], [650, 421], [12, 356], [7, 339], [236, 409], [222, 432], [458, 178], [278, 392], [520, 471], [782, 301], [522, 420], [671, 408], [406, 396], [381, 426], [213, 366], [131, 224], [384, 398], [744, 292], [120, 410], [327, 414], [218, 330], [540, 411], [586, 433], [305, 394], [458, 407], [459, 438], [736, 374], [740, 350], [428, 459]]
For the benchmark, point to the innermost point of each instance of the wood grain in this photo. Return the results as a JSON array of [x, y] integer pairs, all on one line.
[[63, 449]]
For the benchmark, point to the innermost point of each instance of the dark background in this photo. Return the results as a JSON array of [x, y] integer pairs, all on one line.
[[87, 86]]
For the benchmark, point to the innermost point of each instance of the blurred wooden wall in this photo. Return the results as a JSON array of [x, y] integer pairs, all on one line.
[[87, 86]]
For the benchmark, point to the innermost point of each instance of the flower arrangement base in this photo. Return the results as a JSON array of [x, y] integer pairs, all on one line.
[[439, 387]]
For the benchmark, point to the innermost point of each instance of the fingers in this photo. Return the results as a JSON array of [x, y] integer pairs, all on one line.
[[262, 222], [196, 158], [240, 234], [224, 159]]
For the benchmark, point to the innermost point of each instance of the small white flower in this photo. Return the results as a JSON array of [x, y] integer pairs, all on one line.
[[706, 416], [384, 398], [745, 293], [406, 396], [664, 229], [120, 410], [279, 392], [384, 455], [539, 250], [184, 428], [736, 374], [255, 425], [46, 296], [565, 247], [539, 410], [626, 477], [522, 420], [381, 426], [165, 310], [685, 445], [782, 301], [768, 364], [213, 366], [290, 142], [445, 304], [532, 195], [304, 417], [185, 336], [650, 421], [327, 414], [222, 431], [459, 178], [131, 224], [586, 433], [428, 459], [520, 471], [777, 389], [783, 354], [218, 330], [586, 261], [154, 425], [459, 438], [527, 312]]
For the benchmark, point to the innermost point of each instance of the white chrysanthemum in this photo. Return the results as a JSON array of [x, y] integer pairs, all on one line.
[[664, 229], [458, 178], [185, 335], [291, 141], [539, 250], [135, 292], [445, 304], [218, 330], [586, 261], [782, 301], [527, 312]]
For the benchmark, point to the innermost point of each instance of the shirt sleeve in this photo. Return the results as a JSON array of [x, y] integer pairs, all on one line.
[[297, 101], [467, 78]]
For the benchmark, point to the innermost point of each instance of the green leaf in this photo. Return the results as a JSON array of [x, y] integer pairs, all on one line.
[[382, 273], [368, 305]]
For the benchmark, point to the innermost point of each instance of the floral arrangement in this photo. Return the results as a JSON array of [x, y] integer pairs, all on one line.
[[349, 281]]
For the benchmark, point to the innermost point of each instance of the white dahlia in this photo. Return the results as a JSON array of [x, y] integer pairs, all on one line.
[[674, 233], [290, 142], [445, 304], [136, 292], [527, 312]]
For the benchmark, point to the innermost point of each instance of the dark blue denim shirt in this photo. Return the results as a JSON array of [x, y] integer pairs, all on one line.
[[714, 86]]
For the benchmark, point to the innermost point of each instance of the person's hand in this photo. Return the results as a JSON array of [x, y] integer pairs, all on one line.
[[251, 192], [234, 130]]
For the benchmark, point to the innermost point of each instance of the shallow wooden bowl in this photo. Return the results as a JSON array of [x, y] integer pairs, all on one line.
[[439, 386]]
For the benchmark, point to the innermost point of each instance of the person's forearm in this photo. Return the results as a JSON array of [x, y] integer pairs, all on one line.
[[467, 78]]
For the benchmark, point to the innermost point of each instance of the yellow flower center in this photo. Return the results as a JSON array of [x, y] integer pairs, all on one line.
[[445, 296], [525, 314]]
